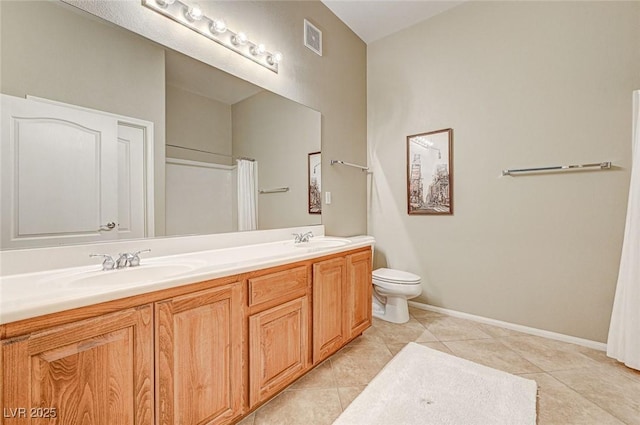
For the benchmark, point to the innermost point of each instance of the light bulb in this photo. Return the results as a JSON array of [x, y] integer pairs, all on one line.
[[275, 58], [240, 39], [165, 3], [194, 13], [218, 26], [258, 49]]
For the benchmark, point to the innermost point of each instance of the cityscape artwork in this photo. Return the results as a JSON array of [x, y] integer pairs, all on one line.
[[315, 183], [430, 173]]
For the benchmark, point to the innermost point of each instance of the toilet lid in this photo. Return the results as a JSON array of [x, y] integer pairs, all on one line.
[[395, 276]]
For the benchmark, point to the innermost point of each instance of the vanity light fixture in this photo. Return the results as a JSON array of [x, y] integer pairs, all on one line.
[[275, 58], [165, 3], [258, 49], [194, 13], [239, 39], [218, 26], [192, 16]]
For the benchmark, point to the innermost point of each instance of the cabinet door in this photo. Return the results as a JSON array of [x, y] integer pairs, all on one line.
[[359, 289], [279, 343], [96, 371], [199, 357], [329, 307]]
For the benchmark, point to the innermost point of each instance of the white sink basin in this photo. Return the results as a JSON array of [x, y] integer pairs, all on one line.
[[97, 278], [323, 242], [42, 292]]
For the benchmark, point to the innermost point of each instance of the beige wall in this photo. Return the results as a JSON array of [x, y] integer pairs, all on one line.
[[52, 53], [522, 84], [279, 134], [197, 122], [334, 84]]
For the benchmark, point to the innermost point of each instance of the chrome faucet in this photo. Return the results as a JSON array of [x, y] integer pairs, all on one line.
[[125, 259], [108, 264], [302, 237], [128, 259], [134, 261]]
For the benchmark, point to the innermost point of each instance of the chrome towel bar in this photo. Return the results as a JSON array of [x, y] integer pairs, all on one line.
[[337, 161], [600, 165], [276, 190]]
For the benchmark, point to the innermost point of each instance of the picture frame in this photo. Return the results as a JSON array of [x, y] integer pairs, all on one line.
[[314, 182], [312, 37], [430, 173]]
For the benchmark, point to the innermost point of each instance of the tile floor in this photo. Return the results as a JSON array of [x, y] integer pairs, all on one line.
[[576, 385]]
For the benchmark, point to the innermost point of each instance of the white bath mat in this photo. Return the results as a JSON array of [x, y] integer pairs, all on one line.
[[424, 386]]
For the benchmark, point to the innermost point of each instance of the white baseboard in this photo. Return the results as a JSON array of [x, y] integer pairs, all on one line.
[[524, 329]]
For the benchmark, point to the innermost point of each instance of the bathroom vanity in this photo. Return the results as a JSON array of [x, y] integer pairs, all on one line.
[[204, 346]]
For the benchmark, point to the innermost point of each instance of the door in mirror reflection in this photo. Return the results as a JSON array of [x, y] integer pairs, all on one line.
[[68, 176]]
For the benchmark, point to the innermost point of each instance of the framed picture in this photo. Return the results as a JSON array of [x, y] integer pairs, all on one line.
[[315, 183], [312, 37], [430, 173]]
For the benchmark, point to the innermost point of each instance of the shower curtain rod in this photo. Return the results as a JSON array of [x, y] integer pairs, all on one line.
[[211, 153]]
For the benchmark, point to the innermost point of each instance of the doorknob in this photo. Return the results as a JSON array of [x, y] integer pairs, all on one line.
[[109, 226]]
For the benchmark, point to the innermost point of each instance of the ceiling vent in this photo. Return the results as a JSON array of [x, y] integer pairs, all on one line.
[[312, 37]]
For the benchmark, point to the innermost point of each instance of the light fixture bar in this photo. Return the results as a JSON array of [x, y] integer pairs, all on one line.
[[192, 17]]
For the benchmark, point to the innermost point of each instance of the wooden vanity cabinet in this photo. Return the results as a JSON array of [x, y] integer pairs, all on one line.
[[95, 371], [359, 293], [206, 353], [330, 294], [278, 331], [341, 302], [198, 365]]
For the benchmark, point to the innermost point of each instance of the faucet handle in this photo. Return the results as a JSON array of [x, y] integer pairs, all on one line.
[[123, 260], [302, 237], [135, 257], [108, 264]]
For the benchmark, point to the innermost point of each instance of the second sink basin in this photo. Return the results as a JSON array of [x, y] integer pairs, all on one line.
[[323, 242]]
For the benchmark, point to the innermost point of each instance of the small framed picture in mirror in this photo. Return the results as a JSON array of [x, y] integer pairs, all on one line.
[[430, 173], [315, 183]]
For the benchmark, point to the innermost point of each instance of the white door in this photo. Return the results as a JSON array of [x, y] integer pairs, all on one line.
[[135, 172], [59, 177], [131, 182]]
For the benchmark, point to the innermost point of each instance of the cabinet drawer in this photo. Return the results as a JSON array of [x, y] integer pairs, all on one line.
[[281, 286]]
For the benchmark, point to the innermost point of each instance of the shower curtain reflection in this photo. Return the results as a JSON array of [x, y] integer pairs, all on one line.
[[247, 194]]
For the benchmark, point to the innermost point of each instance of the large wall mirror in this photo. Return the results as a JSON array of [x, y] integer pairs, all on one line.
[[214, 134]]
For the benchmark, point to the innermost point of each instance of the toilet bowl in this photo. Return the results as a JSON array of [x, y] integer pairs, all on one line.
[[391, 291]]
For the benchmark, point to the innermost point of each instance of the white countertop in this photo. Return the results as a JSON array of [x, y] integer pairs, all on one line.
[[28, 295]]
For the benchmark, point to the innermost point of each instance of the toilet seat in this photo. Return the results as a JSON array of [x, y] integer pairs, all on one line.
[[397, 277]]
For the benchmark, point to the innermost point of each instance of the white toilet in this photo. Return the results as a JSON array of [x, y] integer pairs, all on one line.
[[391, 291]]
